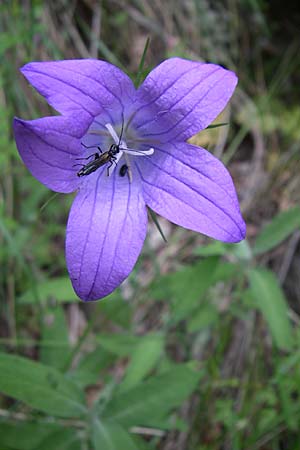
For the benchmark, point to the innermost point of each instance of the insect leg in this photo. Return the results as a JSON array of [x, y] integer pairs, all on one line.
[[110, 164], [92, 146], [112, 161]]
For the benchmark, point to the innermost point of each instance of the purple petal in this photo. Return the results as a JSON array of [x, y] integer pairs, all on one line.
[[49, 148], [88, 87], [190, 187], [179, 98], [106, 230]]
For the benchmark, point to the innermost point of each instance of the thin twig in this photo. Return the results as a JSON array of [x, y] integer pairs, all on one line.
[[21, 417], [147, 431], [75, 36]]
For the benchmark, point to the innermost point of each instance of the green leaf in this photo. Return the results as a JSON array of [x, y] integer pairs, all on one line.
[[141, 64], [107, 435], [59, 289], [143, 359], [270, 300], [153, 399], [157, 224], [26, 436], [206, 316], [119, 344], [116, 309], [40, 387], [241, 250], [55, 346], [216, 125], [288, 389], [64, 439], [91, 365], [279, 229], [186, 287], [226, 271], [215, 248]]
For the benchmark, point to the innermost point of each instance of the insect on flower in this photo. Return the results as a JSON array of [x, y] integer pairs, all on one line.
[[145, 133], [101, 158], [112, 156]]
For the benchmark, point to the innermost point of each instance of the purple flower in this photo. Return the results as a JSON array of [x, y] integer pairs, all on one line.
[[150, 162]]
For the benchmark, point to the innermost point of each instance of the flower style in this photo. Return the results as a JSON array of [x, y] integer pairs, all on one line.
[[150, 162]]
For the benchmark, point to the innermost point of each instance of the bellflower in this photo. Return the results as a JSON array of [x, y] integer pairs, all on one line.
[[152, 164]]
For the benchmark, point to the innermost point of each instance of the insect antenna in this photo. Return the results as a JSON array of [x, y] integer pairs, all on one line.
[[88, 146], [92, 146], [122, 129]]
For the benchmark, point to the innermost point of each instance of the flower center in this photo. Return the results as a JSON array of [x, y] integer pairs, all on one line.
[[113, 155]]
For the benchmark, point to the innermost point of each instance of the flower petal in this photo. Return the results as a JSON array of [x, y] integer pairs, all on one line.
[[49, 148], [106, 230], [179, 98], [88, 86], [190, 187]]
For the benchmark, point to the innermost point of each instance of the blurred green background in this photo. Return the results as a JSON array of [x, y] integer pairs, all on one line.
[[199, 348]]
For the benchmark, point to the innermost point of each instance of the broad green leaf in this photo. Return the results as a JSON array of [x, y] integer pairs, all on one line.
[[226, 271], [108, 435], [215, 248], [40, 387], [120, 344], [26, 436], [64, 439], [153, 399], [116, 309], [143, 359], [279, 229], [186, 287], [90, 366], [241, 250], [59, 289], [55, 346], [270, 299], [204, 317]]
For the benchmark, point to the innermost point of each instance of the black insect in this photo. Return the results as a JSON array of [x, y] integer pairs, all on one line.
[[123, 170], [101, 158]]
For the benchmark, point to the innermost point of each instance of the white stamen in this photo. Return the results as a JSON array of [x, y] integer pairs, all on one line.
[[124, 149], [134, 152], [112, 133]]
